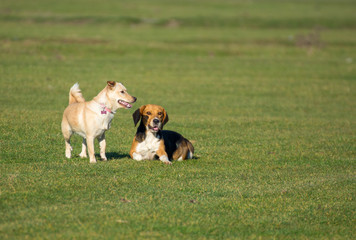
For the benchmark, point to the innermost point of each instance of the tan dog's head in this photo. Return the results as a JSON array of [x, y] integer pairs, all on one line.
[[118, 95], [153, 117]]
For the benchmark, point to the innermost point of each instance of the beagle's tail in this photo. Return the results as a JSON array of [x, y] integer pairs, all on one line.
[[75, 94]]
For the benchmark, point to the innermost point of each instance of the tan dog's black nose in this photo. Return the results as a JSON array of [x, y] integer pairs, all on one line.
[[134, 99]]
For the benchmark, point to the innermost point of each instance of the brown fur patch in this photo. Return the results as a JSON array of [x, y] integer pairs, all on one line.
[[161, 150], [133, 147], [111, 84]]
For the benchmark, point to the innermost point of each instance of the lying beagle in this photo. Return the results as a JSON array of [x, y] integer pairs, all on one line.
[[151, 142]]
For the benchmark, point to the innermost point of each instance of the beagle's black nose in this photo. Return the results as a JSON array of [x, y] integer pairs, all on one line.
[[155, 121]]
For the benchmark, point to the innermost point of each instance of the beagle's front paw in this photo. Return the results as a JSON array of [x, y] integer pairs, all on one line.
[[165, 159], [137, 157]]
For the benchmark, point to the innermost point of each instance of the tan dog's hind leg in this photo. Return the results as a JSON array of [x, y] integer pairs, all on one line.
[[83, 154], [68, 148], [90, 144], [102, 144], [67, 133]]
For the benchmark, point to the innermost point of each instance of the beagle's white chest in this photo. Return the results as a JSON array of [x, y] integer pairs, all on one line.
[[146, 150]]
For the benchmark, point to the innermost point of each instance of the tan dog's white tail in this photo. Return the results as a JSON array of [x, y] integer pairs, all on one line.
[[75, 94]]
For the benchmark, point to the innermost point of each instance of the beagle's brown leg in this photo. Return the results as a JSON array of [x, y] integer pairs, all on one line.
[[161, 152]]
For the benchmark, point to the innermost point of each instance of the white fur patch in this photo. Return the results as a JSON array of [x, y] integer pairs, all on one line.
[[190, 155], [164, 158], [148, 148], [137, 157]]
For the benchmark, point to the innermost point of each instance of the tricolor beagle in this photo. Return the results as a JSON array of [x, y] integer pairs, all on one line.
[[151, 142]]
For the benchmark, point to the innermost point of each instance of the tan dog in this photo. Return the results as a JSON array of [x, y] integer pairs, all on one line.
[[151, 142], [91, 119]]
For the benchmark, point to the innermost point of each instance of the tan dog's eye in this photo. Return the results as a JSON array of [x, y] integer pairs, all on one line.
[[148, 113], [122, 92], [160, 113]]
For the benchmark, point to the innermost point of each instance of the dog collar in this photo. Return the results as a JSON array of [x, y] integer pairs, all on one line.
[[104, 109]]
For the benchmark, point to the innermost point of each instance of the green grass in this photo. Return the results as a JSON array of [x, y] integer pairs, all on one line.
[[264, 89]]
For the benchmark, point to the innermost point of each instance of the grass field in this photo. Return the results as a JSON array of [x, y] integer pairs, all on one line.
[[264, 89]]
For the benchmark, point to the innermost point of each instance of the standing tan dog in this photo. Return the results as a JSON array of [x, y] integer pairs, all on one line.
[[91, 119], [152, 142]]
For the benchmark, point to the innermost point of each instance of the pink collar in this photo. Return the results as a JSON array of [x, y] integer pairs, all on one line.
[[104, 109]]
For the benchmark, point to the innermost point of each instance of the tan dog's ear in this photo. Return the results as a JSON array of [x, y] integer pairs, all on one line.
[[111, 84], [165, 117], [137, 114]]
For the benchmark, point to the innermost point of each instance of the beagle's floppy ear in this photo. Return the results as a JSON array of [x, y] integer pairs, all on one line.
[[165, 117], [137, 114], [111, 84]]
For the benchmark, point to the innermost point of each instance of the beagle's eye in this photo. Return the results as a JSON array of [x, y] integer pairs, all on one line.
[[160, 113], [148, 113]]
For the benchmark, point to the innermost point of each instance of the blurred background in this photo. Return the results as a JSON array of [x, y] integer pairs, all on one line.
[[232, 53]]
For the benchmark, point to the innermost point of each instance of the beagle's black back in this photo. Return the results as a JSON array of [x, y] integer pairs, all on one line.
[[173, 141]]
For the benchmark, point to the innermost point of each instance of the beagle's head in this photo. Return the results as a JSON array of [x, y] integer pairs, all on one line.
[[153, 117]]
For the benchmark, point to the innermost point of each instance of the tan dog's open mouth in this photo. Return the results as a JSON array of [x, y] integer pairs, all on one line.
[[125, 104]]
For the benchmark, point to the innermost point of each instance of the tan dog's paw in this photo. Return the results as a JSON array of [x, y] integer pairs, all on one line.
[[103, 156]]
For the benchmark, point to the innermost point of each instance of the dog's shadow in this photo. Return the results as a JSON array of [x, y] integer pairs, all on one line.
[[117, 156], [114, 156]]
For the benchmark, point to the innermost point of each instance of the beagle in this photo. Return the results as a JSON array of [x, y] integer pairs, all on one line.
[[151, 142], [91, 119]]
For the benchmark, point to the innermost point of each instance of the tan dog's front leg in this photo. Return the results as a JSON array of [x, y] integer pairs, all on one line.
[[161, 153], [90, 144], [102, 145]]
